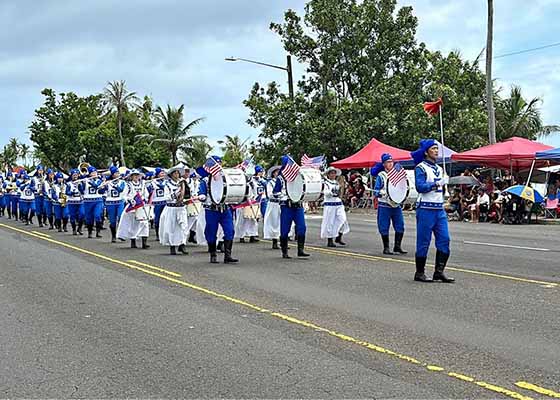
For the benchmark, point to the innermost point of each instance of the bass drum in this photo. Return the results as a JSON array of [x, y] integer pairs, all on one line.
[[229, 187], [308, 186], [397, 194]]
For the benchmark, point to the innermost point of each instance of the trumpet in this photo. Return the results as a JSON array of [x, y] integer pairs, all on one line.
[[83, 168]]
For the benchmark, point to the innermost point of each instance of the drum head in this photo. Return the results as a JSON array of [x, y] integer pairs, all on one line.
[[398, 193], [294, 189], [216, 188]]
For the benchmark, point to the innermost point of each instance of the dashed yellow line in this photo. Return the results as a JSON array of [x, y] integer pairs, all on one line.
[[284, 317], [165, 271], [538, 389], [349, 254]]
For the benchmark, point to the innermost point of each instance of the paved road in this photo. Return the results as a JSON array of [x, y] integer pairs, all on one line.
[[82, 318]]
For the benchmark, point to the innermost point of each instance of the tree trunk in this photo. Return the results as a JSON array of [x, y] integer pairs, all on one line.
[[489, 91], [119, 121]]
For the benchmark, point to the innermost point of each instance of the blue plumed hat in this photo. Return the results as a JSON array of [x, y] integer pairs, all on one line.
[[217, 158], [419, 155], [49, 171], [284, 160], [386, 157], [40, 168], [157, 171], [58, 175], [113, 170], [202, 172], [91, 169], [258, 169]]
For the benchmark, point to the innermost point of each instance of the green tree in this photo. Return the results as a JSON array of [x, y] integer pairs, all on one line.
[[172, 133], [24, 152], [197, 154], [516, 116], [235, 150], [56, 129], [367, 77], [119, 99]]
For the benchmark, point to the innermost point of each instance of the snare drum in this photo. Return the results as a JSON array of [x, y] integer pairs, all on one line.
[[193, 209], [252, 212], [308, 186], [229, 187], [145, 213]]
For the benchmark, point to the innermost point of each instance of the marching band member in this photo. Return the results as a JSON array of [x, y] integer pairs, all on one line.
[[13, 196], [3, 196], [157, 188], [114, 202], [217, 215], [27, 202], [60, 208], [194, 205], [75, 203], [387, 211], [430, 215], [247, 217], [335, 223], [173, 223], [47, 199], [271, 228], [129, 226], [38, 183], [260, 184], [201, 220], [290, 212], [93, 201]]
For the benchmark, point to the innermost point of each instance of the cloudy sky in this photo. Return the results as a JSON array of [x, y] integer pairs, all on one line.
[[174, 50]]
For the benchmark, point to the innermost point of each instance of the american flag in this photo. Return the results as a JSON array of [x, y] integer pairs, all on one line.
[[396, 175], [313, 162], [290, 170], [212, 167], [245, 164]]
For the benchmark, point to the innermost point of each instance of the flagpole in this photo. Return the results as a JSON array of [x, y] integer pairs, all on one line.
[[442, 141]]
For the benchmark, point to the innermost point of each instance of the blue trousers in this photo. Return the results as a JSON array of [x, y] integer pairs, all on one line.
[[76, 212], [158, 209], [14, 203], [3, 201], [289, 215], [428, 221], [384, 217], [93, 211], [114, 211], [48, 207], [39, 206], [26, 206], [215, 218], [60, 212]]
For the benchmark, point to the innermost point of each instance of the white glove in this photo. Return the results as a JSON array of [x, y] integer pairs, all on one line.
[[382, 192], [443, 181]]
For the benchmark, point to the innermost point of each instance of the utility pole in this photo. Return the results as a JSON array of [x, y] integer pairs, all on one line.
[[489, 87]]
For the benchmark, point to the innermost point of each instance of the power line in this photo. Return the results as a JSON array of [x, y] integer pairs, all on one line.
[[527, 50]]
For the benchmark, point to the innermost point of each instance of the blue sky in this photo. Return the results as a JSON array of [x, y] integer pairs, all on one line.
[[174, 50]]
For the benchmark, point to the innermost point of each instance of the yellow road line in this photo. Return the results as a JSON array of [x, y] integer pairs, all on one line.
[[284, 317], [342, 253], [155, 268], [538, 389], [41, 233]]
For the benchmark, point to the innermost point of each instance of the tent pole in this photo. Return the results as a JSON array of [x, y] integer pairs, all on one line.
[[530, 173]]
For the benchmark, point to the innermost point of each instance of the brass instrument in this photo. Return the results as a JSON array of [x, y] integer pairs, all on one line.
[[63, 199], [83, 168]]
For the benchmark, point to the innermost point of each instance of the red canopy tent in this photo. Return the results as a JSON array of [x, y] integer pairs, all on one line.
[[370, 155], [514, 153]]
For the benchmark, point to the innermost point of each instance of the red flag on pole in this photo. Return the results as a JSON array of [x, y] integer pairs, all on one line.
[[432, 107]]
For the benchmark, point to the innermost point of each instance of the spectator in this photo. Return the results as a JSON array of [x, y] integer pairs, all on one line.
[[489, 185], [359, 190], [482, 204], [469, 204]]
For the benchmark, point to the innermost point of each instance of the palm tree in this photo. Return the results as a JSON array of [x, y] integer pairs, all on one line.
[[235, 149], [517, 117], [24, 151], [489, 91], [172, 132], [119, 98], [198, 153]]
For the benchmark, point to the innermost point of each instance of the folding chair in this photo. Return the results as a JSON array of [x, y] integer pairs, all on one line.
[[550, 208]]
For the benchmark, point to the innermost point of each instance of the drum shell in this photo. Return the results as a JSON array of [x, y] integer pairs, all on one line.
[[308, 186], [229, 187]]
